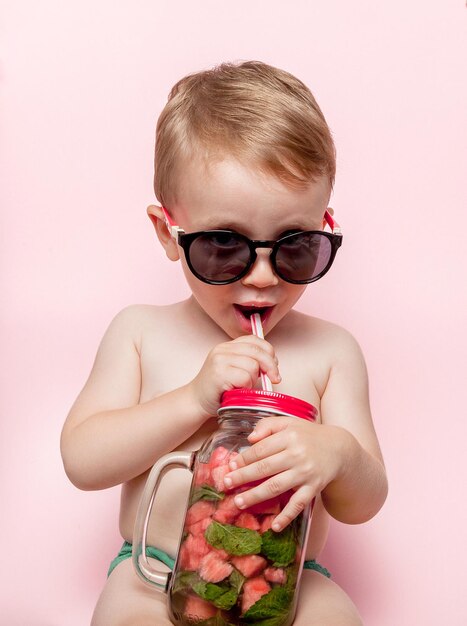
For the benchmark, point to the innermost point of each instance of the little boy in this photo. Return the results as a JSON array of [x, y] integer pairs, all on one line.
[[242, 148]]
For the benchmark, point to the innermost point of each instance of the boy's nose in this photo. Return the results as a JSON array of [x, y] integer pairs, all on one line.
[[261, 273]]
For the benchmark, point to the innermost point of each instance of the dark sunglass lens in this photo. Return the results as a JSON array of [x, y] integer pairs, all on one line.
[[219, 256], [303, 256]]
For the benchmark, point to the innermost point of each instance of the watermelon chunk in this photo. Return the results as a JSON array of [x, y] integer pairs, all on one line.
[[192, 550], [203, 475], [227, 511], [275, 575], [247, 520], [253, 590], [249, 565], [213, 569], [267, 507], [217, 475], [198, 511], [198, 528], [220, 456], [222, 554], [184, 559], [232, 456], [273, 506], [266, 523], [198, 609]]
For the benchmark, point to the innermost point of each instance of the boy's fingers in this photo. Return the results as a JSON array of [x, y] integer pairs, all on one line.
[[261, 450], [255, 366], [241, 378], [255, 471], [253, 340], [269, 426], [253, 359], [293, 508], [268, 489], [265, 361]]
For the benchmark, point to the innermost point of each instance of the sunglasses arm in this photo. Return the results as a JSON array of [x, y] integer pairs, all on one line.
[[172, 227], [336, 229]]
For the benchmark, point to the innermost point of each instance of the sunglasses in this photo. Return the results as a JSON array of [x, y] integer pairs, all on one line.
[[220, 257]]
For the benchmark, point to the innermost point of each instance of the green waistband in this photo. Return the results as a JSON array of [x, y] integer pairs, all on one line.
[[163, 557], [125, 553], [316, 567]]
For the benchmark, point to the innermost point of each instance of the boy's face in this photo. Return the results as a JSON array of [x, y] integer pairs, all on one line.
[[231, 196]]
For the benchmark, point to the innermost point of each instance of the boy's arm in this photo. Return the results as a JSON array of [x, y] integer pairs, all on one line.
[[360, 489], [108, 438]]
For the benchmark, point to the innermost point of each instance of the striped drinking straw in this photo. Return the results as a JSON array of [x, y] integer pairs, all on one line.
[[257, 329]]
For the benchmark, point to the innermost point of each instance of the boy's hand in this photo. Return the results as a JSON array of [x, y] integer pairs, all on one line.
[[233, 364], [291, 453]]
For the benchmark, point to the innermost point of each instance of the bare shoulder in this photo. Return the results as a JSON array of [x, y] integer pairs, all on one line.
[[323, 328], [331, 340], [309, 349], [136, 320], [115, 378], [170, 342], [340, 344], [142, 314]]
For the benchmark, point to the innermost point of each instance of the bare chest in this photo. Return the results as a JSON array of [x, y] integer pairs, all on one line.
[[170, 360]]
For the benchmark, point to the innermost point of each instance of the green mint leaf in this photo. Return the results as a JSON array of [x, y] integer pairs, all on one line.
[[280, 547], [222, 596], [236, 580], [233, 539], [273, 605], [208, 591], [205, 492], [226, 600], [184, 581], [291, 573]]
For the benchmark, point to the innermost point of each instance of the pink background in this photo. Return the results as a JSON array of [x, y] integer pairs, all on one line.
[[82, 84]]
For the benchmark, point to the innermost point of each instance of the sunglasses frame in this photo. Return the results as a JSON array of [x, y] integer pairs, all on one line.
[[185, 240]]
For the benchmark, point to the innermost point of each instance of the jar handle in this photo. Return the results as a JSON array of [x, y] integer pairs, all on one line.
[[140, 560]]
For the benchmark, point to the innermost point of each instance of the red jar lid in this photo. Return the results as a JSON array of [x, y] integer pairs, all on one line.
[[269, 401]]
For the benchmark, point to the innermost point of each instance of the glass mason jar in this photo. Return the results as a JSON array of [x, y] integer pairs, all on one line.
[[231, 569]]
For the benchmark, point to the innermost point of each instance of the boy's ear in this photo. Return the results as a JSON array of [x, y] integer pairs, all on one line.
[[169, 244]]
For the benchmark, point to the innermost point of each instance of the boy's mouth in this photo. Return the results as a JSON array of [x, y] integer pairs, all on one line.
[[245, 311]]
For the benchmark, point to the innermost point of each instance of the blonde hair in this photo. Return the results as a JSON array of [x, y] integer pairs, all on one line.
[[251, 111]]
